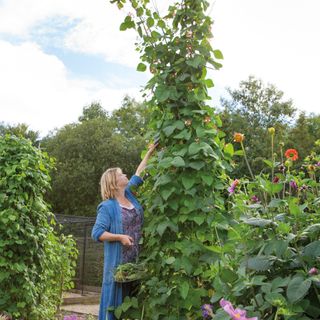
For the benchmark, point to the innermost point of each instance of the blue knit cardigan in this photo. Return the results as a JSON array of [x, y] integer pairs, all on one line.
[[109, 219]]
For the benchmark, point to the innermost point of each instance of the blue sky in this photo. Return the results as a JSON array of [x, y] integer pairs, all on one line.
[[58, 56]]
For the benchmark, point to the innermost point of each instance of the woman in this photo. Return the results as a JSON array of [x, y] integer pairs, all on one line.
[[118, 225]]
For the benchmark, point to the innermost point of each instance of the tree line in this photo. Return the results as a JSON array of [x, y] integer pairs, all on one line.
[[99, 140]]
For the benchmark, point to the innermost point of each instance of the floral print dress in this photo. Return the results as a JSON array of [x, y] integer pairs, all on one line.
[[131, 225]]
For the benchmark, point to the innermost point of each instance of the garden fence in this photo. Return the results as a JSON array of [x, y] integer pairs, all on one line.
[[89, 268]]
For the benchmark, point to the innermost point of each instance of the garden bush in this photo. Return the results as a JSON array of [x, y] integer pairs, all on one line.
[[36, 264]]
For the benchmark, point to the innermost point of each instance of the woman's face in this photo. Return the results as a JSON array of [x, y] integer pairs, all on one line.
[[122, 179]]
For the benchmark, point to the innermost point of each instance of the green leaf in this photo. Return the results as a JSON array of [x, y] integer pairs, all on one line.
[[150, 22], [201, 132], [280, 282], [258, 222], [228, 148], [188, 181], [178, 162], [180, 152], [21, 304], [218, 54], [155, 35], [197, 165], [276, 203], [268, 163], [209, 83], [170, 260], [239, 153], [274, 298], [198, 219], [169, 130], [258, 280], [179, 124], [141, 67], [196, 61], [294, 208], [260, 263], [161, 228], [118, 312], [273, 187], [161, 24], [165, 162], [194, 148], [127, 24], [184, 289], [314, 228], [184, 134], [162, 93], [207, 179], [278, 247], [162, 180], [173, 93], [166, 193], [186, 264], [297, 289], [139, 12], [312, 249], [228, 275]]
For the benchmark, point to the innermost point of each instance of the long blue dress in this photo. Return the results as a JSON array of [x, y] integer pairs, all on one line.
[[109, 219]]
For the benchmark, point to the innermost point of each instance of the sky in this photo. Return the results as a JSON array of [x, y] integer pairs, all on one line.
[[58, 56]]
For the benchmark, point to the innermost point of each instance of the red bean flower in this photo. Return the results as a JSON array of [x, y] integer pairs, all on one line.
[[291, 154]]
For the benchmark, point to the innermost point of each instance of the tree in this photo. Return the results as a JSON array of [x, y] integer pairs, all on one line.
[[132, 118], [84, 150], [252, 109], [303, 135], [20, 129], [93, 111]]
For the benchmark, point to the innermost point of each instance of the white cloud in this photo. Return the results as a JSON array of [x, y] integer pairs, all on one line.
[[37, 90], [95, 30], [274, 40]]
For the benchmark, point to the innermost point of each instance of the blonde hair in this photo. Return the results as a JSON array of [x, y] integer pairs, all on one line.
[[108, 183]]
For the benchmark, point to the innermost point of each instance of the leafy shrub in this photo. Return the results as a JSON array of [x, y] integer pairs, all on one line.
[[35, 263]]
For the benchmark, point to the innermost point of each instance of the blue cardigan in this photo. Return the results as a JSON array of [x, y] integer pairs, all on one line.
[[109, 219]]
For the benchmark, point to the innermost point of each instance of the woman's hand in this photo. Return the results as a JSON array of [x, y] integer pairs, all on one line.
[[151, 148], [126, 240]]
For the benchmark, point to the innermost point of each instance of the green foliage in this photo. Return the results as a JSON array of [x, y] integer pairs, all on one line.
[[259, 106], [35, 264], [84, 150], [273, 247], [93, 111], [183, 196], [18, 130], [304, 134]]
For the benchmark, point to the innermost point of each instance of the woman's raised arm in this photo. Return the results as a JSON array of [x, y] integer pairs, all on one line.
[[144, 161]]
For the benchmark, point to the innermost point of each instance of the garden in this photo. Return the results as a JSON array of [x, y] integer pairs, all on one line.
[[215, 245]]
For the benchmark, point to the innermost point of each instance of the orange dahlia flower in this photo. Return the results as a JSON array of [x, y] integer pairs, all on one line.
[[238, 137], [291, 154]]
